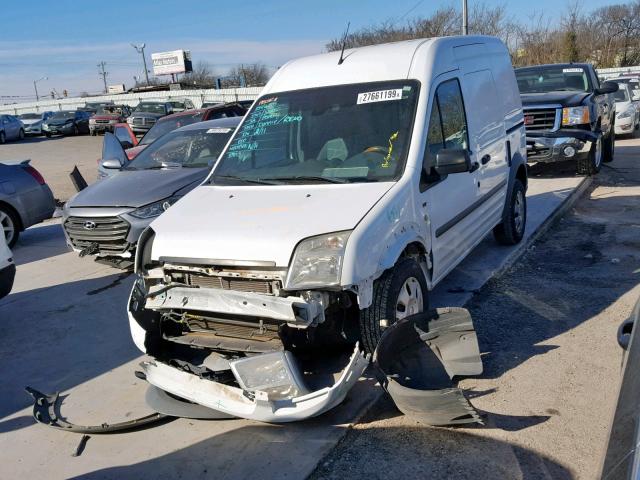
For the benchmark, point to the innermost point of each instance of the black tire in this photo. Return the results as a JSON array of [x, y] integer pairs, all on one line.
[[591, 164], [3, 139], [384, 304], [21, 134], [93, 133], [48, 135], [76, 132], [609, 146], [8, 218], [514, 221]]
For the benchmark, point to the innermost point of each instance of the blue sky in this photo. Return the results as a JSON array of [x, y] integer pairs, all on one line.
[[64, 40]]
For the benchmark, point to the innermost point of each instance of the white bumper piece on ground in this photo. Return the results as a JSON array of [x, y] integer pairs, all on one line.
[[256, 405]]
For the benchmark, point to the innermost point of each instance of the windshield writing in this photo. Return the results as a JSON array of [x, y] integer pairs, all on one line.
[[351, 133]]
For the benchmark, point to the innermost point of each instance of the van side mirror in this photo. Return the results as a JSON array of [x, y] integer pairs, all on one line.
[[452, 160], [111, 164], [607, 87]]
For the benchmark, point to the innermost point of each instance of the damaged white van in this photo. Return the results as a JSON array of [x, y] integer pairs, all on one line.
[[357, 181]]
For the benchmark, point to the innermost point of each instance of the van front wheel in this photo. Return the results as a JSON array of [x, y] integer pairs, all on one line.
[[400, 291], [511, 230]]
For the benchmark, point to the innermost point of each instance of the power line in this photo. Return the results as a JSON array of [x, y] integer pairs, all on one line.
[[103, 74]]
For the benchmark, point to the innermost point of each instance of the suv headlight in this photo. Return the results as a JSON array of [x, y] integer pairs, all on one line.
[[154, 209], [317, 261], [575, 115]]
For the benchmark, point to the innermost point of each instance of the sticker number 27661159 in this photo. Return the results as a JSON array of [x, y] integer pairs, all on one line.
[[380, 96]]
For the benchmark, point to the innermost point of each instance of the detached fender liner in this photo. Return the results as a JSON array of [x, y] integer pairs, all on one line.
[[417, 359]]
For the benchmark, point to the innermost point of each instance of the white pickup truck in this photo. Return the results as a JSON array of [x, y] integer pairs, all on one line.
[[356, 182]]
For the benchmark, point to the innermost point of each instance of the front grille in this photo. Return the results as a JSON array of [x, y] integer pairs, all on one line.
[[537, 119], [138, 121], [102, 121], [238, 284], [110, 233]]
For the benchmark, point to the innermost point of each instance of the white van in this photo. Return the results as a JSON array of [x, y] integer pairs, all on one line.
[[356, 182]]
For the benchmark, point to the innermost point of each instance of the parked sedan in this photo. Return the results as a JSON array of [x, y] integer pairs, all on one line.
[[33, 122], [11, 128], [181, 104], [626, 111], [67, 122], [7, 268], [25, 199], [106, 218], [146, 114]]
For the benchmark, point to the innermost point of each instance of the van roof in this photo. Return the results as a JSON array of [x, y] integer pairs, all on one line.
[[388, 61]]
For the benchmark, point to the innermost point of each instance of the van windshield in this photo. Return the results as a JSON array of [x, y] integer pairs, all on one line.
[[347, 133], [554, 78]]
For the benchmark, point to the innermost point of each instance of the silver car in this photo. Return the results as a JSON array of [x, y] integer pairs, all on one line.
[[33, 122], [106, 218], [10, 128], [25, 199]]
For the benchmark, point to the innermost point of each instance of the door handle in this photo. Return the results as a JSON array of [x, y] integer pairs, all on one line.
[[484, 160]]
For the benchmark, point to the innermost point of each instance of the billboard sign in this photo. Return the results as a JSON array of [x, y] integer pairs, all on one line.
[[176, 61]]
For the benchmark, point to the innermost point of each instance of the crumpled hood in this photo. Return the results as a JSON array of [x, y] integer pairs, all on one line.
[[59, 121], [30, 121], [137, 188], [259, 223], [566, 99]]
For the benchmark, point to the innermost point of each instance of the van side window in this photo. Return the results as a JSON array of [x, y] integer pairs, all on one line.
[[447, 125], [454, 123]]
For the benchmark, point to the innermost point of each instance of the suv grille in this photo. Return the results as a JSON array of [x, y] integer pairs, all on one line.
[[536, 119], [110, 233], [238, 284]]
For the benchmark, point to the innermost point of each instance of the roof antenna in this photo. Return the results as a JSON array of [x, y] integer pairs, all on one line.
[[344, 42]]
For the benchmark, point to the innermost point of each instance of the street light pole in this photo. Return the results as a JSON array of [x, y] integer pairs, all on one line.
[[465, 18], [140, 50], [35, 86]]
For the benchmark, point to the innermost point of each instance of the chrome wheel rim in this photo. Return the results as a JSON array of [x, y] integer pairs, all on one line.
[[518, 212], [8, 228], [410, 299], [598, 156]]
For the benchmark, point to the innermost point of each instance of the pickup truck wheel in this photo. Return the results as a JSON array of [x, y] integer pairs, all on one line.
[[511, 230], [2, 138], [400, 291], [610, 146], [592, 163]]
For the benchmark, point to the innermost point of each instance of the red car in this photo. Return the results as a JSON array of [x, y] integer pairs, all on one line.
[[107, 117], [133, 147]]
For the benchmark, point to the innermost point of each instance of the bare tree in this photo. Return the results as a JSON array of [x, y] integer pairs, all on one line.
[[203, 75], [251, 75]]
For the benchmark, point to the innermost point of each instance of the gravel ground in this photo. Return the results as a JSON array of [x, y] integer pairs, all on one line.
[[547, 330], [55, 158]]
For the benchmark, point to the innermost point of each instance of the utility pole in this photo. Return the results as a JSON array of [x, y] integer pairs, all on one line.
[[103, 74], [465, 18], [140, 50], [35, 86]]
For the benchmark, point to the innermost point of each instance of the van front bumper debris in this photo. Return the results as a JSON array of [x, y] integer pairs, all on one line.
[[267, 405], [560, 146]]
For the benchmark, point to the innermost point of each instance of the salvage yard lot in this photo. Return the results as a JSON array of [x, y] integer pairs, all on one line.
[[546, 328]]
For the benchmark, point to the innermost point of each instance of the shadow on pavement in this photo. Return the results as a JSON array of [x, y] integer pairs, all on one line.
[[40, 242], [55, 338]]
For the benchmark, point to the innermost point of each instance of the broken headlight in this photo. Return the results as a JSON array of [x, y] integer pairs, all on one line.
[[575, 115], [274, 373], [317, 261], [154, 209]]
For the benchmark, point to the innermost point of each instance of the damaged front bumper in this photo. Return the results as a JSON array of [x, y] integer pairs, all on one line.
[[559, 146], [256, 405]]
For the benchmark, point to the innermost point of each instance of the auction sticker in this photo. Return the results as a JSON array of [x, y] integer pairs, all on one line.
[[219, 130], [571, 70], [380, 96]]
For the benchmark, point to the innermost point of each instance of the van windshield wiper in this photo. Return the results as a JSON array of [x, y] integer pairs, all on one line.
[[316, 178]]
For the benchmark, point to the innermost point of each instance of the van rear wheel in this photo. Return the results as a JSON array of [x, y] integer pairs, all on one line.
[[400, 291], [511, 230]]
